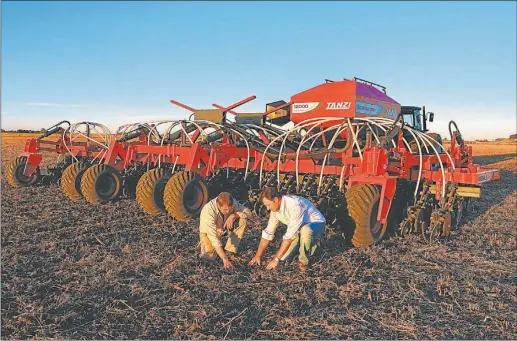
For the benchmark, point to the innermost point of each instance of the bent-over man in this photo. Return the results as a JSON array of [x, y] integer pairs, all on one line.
[[218, 216], [305, 228]]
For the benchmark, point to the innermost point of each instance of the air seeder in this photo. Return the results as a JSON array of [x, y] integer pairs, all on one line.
[[376, 163], [361, 157], [367, 162]]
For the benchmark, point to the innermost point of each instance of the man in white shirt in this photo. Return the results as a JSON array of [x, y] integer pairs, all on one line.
[[218, 215], [305, 228]]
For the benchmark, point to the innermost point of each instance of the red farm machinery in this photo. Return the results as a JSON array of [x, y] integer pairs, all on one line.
[[112, 176], [368, 163], [80, 147], [81, 141], [171, 157]]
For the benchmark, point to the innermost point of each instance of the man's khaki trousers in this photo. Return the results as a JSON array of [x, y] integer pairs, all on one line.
[[232, 244]]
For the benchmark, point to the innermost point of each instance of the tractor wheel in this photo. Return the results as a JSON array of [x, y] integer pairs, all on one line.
[[413, 147], [15, 176], [101, 183], [185, 195], [438, 138], [149, 191], [363, 205], [71, 180]]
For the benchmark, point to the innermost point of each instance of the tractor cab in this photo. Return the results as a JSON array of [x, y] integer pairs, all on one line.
[[415, 118]]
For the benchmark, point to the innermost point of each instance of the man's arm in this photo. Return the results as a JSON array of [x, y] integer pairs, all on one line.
[[283, 248], [267, 236], [226, 261], [257, 259], [279, 254], [296, 222], [242, 211], [239, 211], [293, 228], [207, 221]]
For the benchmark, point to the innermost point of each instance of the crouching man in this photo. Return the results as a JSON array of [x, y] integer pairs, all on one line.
[[305, 228], [219, 215]]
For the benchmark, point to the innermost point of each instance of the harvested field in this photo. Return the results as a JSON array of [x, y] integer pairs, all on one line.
[[76, 271]]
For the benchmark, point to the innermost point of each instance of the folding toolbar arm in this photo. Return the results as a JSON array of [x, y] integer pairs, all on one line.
[[244, 114], [224, 109]]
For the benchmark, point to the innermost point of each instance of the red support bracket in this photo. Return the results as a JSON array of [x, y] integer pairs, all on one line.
[[388, 185], [33, 161]]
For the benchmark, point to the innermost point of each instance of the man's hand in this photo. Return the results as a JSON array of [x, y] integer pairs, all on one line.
[[255, 260], [258, 256], [228, 224], [226, 261], [272, 264], [227, 264]]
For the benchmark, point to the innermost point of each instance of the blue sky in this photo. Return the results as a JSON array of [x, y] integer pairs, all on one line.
[[121, 62]]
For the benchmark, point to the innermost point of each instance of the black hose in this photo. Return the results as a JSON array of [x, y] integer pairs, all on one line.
[[64, 121], [130, 136], [459, 138], [189, 128], [51, 131], [214, 136], [273, 129], [54, 129], [137, 132], [455, 126], [393, 131]]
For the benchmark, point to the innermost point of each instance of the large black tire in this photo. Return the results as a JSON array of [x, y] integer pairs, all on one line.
[[150, 189], [413, 146], [437, 142], [185, 195], [15, 176], [101, 183], [363, 205], [71, 180]]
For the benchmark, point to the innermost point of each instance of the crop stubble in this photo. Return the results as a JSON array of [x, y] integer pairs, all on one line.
[[76, 271]]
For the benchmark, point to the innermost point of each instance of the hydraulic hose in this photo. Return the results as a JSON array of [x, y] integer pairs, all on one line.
[[54, 129], [459, 138], [441, 166]]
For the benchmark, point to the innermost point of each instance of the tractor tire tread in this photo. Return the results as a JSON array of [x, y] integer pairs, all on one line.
[[68, 180], [145, 190], [360, 204], [174, 192], [11, 173], [171, 197], [88, 183]]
